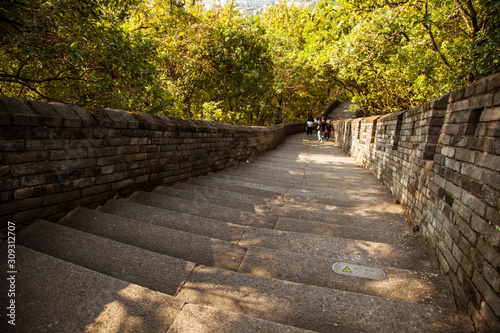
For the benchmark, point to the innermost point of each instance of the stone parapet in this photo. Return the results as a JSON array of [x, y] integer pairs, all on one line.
[[442, 162], [55, 157]]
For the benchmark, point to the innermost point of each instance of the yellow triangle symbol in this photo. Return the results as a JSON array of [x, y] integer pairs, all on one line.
[[346, 269]]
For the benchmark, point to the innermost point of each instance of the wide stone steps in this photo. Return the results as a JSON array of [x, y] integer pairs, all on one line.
[[61, 297], [316, 308], [248, 249], [151, 265], [302, 305], [402, 255], [205, 210], [377, 220]]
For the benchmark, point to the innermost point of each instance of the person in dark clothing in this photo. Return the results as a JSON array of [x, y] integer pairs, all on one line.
[[310, 126], [328, 128], [321, 129]]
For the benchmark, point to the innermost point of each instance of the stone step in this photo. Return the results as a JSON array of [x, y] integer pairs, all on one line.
[[223, 202], [128, 263], [152, 238], [407, 252], [57, 296], [174, 220], [346, 231], [319, 187], [408, 255], [306, 195], [297, 195], [204, 209], [315, 308], [305, 200], [338, 177], [419, 287], [211, 180], [233, 232], [225, 192], [275, 177], [53, 295], [204, 319], [175, 243], [357, 218], [377, 219]]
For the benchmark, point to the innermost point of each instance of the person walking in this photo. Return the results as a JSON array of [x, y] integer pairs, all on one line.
[[316, 124], [321, 129], [310, 126], [328, 128]]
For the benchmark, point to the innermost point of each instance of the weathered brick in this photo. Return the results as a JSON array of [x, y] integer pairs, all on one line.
[[139, 141], [34, 168], [491, 178], [23, 157], [46, 144], [128, 149], [489, 161], [472, 171], [488, 252], [47, 114], [77, 183], [85, 117], [116, 117], [67, 114], [465, 155], [481, 101], [20, 205], [12, 145], [491, 320], [60, 197], [123, 184], [493, 216], [490, 196], [492, 276], [460, 105], [107, 160], [5, 118], [488, 293], [101, 152], [490, 114], [135, 157], [21, 114], [32, 214], [467, 232], [109, 178], [475, 204], [68, 154], [481, 144], [474, 187], [95, 189]]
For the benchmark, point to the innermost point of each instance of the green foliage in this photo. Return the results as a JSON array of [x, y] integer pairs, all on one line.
[[288, 63], [77, 52]]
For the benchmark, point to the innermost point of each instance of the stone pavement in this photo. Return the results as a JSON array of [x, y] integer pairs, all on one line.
[[247, 249]]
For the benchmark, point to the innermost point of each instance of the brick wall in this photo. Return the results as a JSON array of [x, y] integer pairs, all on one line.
[[55, 157], [442, 162]]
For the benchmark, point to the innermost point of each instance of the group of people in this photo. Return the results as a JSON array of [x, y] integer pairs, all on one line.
[[323, 127]]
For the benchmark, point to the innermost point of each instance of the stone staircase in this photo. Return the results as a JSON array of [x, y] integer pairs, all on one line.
[[248, 249]]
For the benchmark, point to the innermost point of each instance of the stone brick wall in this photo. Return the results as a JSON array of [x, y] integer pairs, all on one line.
[[55, 157], [442, 162]]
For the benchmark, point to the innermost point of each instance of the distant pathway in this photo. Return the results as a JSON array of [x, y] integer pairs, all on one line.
[[342, 111]]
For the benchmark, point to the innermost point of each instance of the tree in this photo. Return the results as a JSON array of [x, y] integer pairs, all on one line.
[[300, 88], [393, 55], [78, 52]]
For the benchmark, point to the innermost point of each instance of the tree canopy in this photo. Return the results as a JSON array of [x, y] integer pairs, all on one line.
[[176, 58]]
